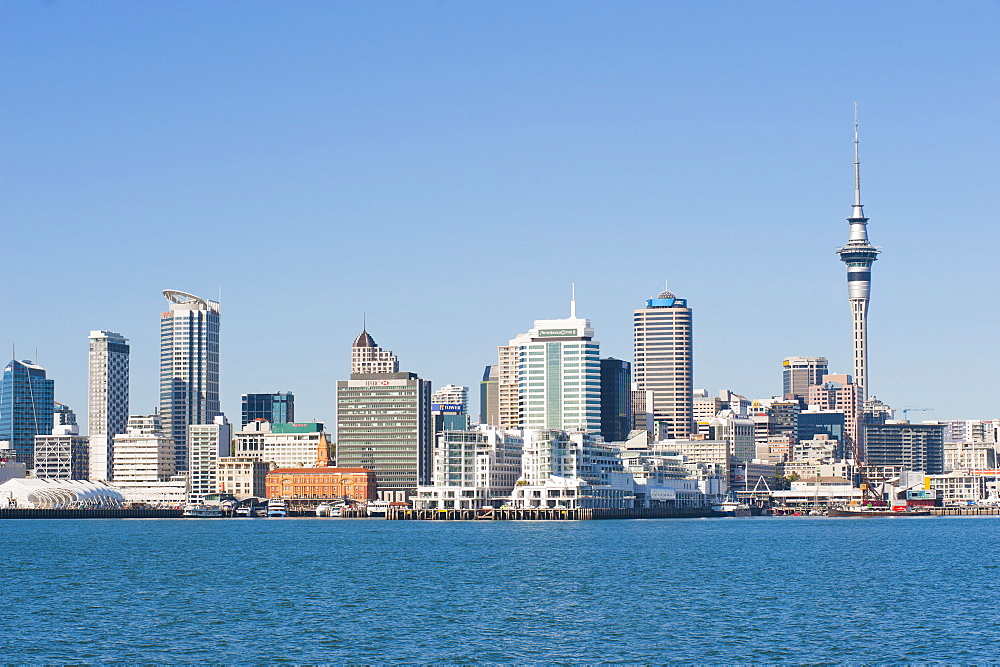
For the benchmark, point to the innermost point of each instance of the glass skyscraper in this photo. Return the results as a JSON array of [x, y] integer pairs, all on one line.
[[616, 399], [27, 403], [277, 408], [189, 368]]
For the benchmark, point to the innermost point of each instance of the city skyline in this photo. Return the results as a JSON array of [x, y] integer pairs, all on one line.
[[711, 159]]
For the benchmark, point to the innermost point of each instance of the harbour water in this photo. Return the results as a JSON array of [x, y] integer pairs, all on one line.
[[754, 590]]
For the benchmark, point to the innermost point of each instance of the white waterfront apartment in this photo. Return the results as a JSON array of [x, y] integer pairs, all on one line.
[[107, 403], [568, 470], [557, 374], [472, 469], [206, 443], [144, 463]]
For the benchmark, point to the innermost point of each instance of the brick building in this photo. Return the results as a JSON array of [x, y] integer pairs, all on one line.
[[310, 486]]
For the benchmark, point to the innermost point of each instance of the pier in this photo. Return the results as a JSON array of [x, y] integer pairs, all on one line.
[[544, 514], [965, 511]]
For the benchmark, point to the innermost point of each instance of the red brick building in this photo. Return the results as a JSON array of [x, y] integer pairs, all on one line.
[[314, 485]]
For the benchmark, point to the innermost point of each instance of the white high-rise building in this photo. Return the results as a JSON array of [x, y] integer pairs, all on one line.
[[107, 399], [189, 367], [368, 357], [452, 394], [206, 444], [558, 376], [144, 456]]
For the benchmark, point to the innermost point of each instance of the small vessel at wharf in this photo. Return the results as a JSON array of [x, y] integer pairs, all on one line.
[[874, 511], [202, 511], [276, 507], [731, 508], [378, 508], [243, 510], [323, 509]]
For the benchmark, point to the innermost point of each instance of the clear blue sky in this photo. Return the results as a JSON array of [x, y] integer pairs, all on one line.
[[451, 167]]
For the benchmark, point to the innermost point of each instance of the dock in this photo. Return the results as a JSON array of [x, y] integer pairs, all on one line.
[[965, 511], [130, 513], [545, 514]]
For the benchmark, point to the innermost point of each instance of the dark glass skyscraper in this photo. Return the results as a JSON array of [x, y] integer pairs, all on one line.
[[26, 407], [277, 408], [616, 399]]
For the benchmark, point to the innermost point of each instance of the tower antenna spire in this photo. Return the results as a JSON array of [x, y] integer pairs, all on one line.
[[572, 300], [858, 211]]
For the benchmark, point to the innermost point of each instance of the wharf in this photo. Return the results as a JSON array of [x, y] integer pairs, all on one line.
[[965, 511], [132, 513], [545, 514]]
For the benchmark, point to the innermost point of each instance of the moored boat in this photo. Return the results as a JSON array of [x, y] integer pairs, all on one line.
[[276, 507], [378, 508], [871, 511], [202, 511], [731, 508]]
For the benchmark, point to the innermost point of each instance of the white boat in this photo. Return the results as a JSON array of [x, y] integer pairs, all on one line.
[[277, 507], [201, 510], [731, 508], [378, 507], [323, 510], [243, 510]]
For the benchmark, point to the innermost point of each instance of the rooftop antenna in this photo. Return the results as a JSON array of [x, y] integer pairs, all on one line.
[[364, 320], [572, 301]]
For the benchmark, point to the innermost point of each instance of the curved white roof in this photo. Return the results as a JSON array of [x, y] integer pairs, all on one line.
[[57, 493]]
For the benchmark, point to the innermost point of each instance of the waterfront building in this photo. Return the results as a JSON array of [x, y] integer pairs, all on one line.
[[859, 255], [800, 373], [27, 404], [107, 398], [314, 486], [660, 475], [277, 408], [664, 362], [571, 470], [911, 447], [206, 443], [64, 454], [242, 476], [367, 357], [616, 399], [43, 493], [472, 469], [189, 368], [282, 445], [839, 393], [817, 493], [556, 368], [384, 425], [489, 396], [969, 455], [960, 487]]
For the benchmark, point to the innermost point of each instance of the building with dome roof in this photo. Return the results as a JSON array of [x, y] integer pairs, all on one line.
[[663, 373], [368, 357]]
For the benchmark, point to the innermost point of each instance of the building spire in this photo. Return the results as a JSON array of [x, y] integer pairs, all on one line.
[[572, 301], [858, 211]]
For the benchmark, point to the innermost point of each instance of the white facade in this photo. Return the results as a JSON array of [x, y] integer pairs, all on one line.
[[206, 443], [63, 455], [34, 493], [736, 430], [189, 368], [452, 394], [143, 454], [558, 375], [107, 404], [472, 469], [242, 476], [571, 470]]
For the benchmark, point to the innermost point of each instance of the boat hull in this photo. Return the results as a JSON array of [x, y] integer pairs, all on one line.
[[836, 511]]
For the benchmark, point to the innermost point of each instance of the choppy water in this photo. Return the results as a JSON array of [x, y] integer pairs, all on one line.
[[371, 591]]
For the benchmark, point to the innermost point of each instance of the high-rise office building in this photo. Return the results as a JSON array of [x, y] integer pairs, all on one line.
[[277, 408], [664, 362], [384, 423], [489, 397], [557, 371], [189, 367], [800, 373], [859, 255], [914, 447], [616, 399], [452, 395], [368, 357], [26, 407], [107, 404]]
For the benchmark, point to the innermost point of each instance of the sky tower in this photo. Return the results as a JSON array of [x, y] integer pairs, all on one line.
[[858, 255]]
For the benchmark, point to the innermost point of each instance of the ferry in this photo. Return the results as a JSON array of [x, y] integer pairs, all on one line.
[[243, 510], [276, 507], [378, 508], [869, 511], [731, 508], [201, 510]]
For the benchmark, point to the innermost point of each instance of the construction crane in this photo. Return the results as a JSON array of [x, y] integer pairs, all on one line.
[[906, 411]]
